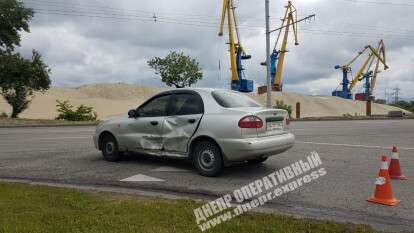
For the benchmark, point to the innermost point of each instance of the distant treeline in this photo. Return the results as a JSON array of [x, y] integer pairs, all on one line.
[[406, 105]]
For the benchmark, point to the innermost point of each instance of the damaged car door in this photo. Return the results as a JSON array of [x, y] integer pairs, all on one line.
[[147, 126], [183, 119]]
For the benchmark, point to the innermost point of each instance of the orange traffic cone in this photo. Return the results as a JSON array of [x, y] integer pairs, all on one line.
[[395, 169], [383, 194]]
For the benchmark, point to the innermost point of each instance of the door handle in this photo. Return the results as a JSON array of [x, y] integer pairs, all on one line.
[[191, 121], [154, 123]]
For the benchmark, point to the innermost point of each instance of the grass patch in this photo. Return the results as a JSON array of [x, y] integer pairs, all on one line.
[[26, 208]]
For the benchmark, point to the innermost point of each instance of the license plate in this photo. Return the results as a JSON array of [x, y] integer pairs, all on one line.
[[270, 126]]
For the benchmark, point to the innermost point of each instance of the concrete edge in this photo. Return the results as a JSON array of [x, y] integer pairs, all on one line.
[[352, 118], [293, 120], [46, 125]]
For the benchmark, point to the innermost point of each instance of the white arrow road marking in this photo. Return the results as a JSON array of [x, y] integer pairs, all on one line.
[[169, 169], [141, 178]]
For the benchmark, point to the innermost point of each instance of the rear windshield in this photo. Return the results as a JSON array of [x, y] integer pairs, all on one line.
[[229, 99]]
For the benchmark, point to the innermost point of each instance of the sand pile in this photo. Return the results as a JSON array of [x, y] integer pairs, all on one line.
[[116, 99], [318, 106], [108, 100]]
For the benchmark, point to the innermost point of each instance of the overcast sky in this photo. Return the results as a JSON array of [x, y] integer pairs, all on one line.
[[106, 41]]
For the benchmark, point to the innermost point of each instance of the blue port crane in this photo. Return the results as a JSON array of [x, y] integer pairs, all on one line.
[[289, 20], [375, 55], [277, 57], [237, 52]]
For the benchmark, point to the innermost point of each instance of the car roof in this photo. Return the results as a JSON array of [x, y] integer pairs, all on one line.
[[196, 89], [189, 90]]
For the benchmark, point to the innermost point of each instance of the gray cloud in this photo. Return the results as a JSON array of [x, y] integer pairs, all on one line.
[[115, 45]]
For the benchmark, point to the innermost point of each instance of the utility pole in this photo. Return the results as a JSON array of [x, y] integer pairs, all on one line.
[[396, 93], [268, 78]]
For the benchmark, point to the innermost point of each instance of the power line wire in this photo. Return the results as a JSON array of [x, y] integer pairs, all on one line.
[[59, 6], [200, 23], [121, 12], [380, 2], [150, 19]]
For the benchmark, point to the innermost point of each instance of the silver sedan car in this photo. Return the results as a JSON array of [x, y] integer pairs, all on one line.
[[212, 127]]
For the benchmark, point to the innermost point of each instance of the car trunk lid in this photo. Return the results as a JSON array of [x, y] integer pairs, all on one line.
[[274, 121]]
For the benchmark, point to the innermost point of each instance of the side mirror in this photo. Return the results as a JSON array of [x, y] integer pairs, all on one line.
[[132, 113]]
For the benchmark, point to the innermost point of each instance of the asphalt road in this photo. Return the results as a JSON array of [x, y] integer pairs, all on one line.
[[349, 150]]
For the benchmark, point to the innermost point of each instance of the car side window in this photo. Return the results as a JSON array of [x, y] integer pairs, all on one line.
[[155, 108], [186, 104]]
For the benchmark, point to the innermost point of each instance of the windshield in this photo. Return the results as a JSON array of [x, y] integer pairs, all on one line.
[[229, 99]]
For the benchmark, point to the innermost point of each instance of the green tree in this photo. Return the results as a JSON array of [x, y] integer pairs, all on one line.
[[14, 18], [177, 69], [20, 77]]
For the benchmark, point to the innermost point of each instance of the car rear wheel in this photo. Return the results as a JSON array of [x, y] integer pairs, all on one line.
[[207, 158], [110, 150], [257, 161]]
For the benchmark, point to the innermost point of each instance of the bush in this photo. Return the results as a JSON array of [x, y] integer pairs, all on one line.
[[281, 105], [3, 115], [82, 113]]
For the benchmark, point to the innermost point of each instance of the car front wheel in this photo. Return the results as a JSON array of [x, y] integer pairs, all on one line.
[[207, 158], [110, 150]]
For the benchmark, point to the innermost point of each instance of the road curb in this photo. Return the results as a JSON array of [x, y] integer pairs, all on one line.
[[350, 118], [46, 125]]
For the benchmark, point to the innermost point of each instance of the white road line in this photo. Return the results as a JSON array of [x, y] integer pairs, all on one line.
[[141, 178], [352, 145], [59, 138], [169, 169]]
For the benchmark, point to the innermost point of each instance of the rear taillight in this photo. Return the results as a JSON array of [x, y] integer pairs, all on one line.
[[287, 121], [251, 122]]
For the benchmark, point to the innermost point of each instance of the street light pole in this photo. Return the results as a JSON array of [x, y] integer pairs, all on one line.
[[268, 78]]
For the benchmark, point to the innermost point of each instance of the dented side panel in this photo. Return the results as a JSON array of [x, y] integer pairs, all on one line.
[[177, 132], [140, 135]]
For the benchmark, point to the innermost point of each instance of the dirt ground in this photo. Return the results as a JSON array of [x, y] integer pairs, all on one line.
[[116, 99]]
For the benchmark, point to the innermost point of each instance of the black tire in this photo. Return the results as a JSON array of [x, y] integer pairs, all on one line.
[[110, 149], [207, 158], [258, 160]]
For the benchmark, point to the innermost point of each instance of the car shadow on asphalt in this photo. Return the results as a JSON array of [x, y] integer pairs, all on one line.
[[239, 169], [246, 170], [157, 161]]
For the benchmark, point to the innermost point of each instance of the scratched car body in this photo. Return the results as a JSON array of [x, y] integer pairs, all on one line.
[[212, 127]]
